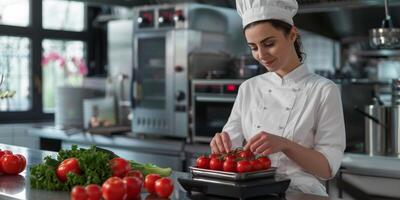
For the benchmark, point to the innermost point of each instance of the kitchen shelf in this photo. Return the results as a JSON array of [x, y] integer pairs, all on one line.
[[378, 53]]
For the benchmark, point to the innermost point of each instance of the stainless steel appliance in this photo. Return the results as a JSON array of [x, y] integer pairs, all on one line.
[[212, 102], [377, 129], [163, 38]]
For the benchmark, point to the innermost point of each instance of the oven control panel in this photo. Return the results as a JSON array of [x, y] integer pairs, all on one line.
[[160, 18], [217, 88], [146, 19]]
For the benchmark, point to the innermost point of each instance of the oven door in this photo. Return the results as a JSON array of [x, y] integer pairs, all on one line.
[[152, 112], [211, 112]]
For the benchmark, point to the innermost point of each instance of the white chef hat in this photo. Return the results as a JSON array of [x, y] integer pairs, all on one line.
[[257, 10]]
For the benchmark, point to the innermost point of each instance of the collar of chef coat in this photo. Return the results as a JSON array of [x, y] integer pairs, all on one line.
[[292, 77]]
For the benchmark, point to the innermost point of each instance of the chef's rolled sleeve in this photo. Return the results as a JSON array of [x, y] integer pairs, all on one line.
[[234, 125], [330, 137]]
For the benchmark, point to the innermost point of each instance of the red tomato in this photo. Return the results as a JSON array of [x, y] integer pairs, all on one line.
[[114, 189], [149, 182], [230, 157], [135, 173], [133, 187], [119, 167], [7, 152], [265, 162], [214, 155], [2, 153], [70, 165], [256, 165], [93, 191], [11, 164], [164, 187], [243, 166], [216, 164], [22, 162], [229, 166], [246, 154], [203, 162], [78, 193]]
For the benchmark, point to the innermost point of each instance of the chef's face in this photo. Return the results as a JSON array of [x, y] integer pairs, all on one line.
[[271, 46]]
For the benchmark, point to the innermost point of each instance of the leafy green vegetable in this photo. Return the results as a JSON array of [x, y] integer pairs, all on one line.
[[92, 162], [149, 168], [94, 166]]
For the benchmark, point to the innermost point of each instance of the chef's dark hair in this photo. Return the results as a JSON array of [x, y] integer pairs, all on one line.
[[285, 27]]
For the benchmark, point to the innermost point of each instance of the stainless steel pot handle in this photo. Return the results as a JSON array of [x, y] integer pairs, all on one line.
[[369, 116]]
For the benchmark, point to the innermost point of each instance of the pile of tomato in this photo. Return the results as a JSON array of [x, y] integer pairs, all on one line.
[[125, 183], [235, 161], [10, 163]]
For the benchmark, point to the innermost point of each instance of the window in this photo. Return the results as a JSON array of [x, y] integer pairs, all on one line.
[[37, 38], [14, 65], [14, 12], [63, 64], [63, 15]]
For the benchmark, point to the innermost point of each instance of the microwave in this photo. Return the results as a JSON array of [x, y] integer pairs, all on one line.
[[212, 102]]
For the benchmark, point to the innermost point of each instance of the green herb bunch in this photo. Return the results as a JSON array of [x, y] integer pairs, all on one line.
[[94, 166], [93, 163]]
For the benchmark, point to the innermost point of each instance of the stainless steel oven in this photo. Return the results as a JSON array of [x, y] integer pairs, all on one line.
[[163, 38], [212, 102]]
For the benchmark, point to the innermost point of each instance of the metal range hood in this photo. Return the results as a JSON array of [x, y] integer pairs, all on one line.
[[336, 19], [344, 19]]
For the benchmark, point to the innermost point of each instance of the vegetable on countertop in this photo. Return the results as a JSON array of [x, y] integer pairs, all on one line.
[[94, 164]]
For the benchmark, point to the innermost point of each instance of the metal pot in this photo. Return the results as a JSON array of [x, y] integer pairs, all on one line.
[[377, 128], [393, 140], [385, 37]]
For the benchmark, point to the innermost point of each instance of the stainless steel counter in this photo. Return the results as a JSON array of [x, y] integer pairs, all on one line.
[[128, 142], [162, 152], [381, 166], [18, 187], [370, 177]]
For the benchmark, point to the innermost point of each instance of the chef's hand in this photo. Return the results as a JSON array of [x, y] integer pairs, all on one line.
[[221, 143], [265, 143]]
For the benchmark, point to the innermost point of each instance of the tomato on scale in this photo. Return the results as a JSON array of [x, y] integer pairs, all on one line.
[[203, 162], [238, 160]]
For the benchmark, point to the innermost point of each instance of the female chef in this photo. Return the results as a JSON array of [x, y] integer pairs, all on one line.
[[290, 114]]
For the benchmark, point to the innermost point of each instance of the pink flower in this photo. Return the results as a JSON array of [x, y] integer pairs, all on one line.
[[83, 70], [52, 56], [62, 62], [45, 60]]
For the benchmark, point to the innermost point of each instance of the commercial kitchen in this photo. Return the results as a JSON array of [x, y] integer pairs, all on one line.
[[152, 81]]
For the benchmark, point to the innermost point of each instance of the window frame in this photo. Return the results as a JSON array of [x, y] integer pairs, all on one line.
[[36, 34]]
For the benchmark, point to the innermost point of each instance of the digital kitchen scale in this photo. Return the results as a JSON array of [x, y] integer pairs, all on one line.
[[274, 187]]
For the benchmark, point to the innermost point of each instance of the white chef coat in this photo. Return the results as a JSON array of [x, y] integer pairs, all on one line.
[[303, 107]]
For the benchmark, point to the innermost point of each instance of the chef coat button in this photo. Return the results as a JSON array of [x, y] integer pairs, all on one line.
[[287, 108], [265, 108], [269, 90], [280, 127], [258, 126]]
